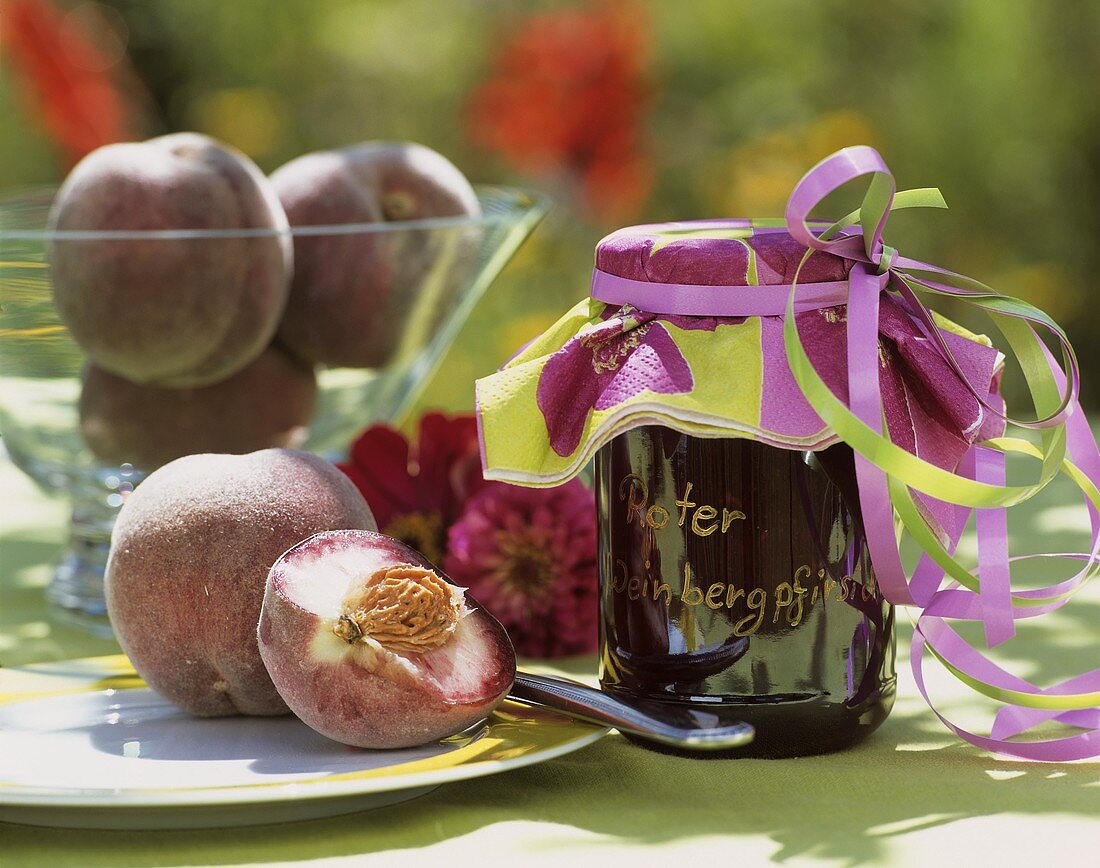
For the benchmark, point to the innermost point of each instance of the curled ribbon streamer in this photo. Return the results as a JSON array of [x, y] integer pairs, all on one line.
[[887, 474]]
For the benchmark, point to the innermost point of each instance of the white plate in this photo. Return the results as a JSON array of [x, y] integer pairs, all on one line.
[[84, 743]]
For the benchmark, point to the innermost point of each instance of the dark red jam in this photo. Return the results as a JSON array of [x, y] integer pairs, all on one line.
[[735, 578]]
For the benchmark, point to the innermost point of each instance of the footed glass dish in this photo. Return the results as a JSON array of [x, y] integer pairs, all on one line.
[[428, 299]]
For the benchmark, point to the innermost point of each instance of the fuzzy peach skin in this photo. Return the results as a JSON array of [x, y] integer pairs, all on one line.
[[360, 693], [189, 558], [351, 292], [170, 311], [269, 403]]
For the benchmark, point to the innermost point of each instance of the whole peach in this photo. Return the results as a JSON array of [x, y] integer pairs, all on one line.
[[352, 291], [268, 403], [372, 646], [178, 310], [411, 181], [188, 563]]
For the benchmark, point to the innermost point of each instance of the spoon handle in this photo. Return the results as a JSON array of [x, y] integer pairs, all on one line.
[[587, 703]]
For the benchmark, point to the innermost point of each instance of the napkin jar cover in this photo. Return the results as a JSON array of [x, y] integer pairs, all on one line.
[[734, 519]]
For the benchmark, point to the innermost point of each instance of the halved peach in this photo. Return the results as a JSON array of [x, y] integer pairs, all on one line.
[[372, 646]]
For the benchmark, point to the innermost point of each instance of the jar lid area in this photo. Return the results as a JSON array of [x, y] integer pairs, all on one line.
[[723, 252]]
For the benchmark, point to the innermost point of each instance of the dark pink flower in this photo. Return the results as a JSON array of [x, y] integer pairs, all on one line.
[[416, 491], [529, 557]]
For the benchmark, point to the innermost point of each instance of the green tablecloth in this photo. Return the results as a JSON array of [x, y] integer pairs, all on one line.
[[912, 795]]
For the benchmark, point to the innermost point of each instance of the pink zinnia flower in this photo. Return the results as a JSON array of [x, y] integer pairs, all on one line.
[[529, 556]]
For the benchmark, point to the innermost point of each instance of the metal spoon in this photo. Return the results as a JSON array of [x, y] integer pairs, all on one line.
[[686, 729]]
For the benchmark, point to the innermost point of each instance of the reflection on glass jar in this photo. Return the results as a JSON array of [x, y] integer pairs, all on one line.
[[735, 575]]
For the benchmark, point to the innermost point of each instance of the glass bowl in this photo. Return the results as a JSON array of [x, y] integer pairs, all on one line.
[[42, 368]]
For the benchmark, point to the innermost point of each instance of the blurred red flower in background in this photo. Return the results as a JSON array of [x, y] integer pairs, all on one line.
[[567, 94], [67, 81]]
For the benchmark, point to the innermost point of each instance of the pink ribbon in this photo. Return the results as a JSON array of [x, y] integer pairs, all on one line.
[[877, 268], [689, 299]]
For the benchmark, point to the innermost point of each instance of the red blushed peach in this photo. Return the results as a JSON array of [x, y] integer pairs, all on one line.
[[412, 182], [371, 646], [267, 404], [188, 563], [352, 291], [171, 311]]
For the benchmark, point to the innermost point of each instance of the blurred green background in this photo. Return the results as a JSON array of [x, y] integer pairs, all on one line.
[[622, 111]]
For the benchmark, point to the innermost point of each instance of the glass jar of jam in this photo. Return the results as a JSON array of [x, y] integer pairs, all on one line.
[[734, 576], [734, 571], [733, 567]]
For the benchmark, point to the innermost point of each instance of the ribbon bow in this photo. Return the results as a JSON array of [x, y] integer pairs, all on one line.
[[888, 474]]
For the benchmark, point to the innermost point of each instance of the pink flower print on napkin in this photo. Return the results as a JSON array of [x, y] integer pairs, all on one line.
[[627, 354]]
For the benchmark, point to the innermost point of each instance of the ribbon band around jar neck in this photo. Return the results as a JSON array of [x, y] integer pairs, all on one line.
[[688, 299]]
